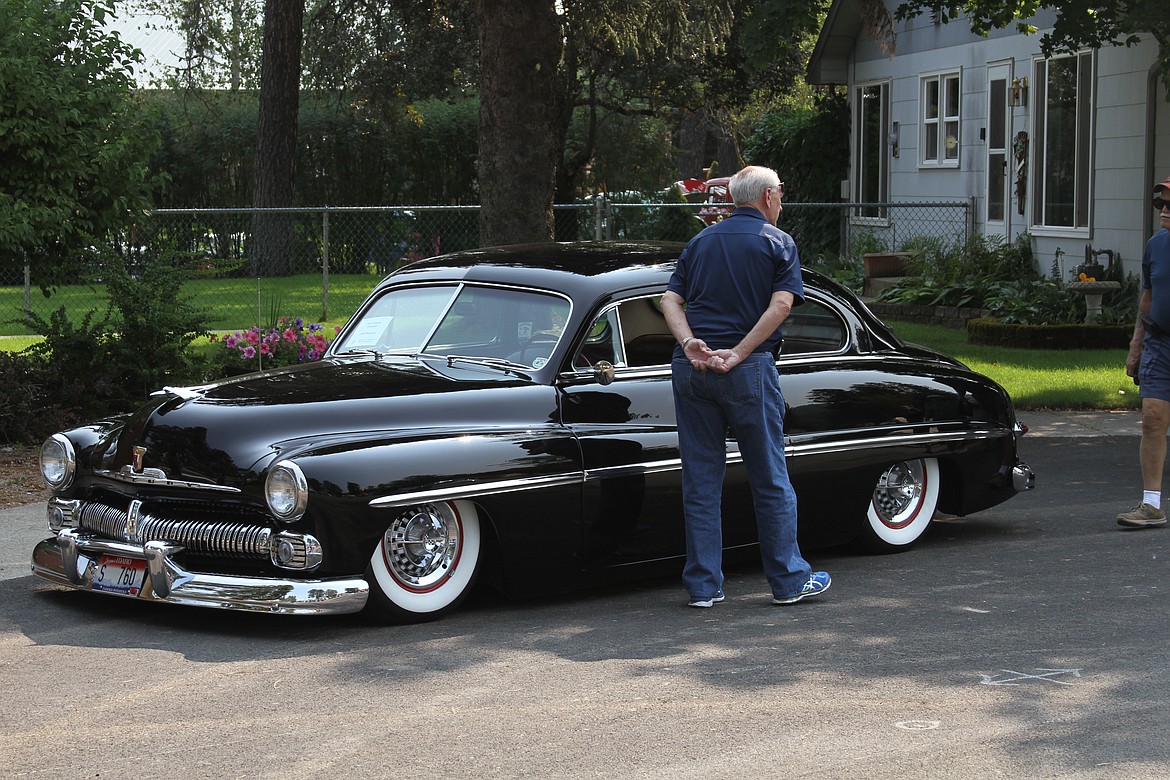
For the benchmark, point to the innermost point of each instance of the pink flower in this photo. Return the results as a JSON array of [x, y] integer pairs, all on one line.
[[306, 341]]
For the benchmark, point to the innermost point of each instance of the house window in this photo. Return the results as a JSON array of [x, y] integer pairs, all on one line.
[[1062, 144], [871, 134], [940, 121]]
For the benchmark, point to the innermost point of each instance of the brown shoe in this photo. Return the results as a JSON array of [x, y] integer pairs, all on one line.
[[1142, 516]]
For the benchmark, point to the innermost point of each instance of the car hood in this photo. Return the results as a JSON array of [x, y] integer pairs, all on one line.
[[228, 432]]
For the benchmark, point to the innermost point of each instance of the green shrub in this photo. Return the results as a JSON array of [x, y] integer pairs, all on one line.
[[139, 345], [992, 332], [32, 407]]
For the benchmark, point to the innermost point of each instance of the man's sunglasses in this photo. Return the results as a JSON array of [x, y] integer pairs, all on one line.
[[1160, 204], [779, 189]]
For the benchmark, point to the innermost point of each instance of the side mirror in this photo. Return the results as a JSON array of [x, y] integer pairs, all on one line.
[[603, 372]]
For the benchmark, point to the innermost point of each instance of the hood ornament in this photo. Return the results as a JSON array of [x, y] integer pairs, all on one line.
[[136, 469]]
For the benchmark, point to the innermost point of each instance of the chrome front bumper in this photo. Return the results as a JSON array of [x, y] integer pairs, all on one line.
[[72, 557]]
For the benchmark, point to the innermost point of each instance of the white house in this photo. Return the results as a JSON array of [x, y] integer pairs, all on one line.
[[1066, 148]]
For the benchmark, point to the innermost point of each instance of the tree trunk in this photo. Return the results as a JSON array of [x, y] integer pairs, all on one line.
[[276, 137], [519, 52]]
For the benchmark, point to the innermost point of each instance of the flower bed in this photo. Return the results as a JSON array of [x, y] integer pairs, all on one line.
[[288, 342]]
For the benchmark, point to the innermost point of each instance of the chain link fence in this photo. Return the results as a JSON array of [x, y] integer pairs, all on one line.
[[340, 253]]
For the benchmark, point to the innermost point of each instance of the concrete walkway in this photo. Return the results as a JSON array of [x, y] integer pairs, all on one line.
[[1081, 424]]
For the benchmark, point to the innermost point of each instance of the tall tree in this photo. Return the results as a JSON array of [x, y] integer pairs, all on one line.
[[276, 137], [517, 145], [73, 140]]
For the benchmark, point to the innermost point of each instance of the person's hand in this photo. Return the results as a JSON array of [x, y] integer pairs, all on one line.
[[698, 353], [723, 360], [1132, 363]]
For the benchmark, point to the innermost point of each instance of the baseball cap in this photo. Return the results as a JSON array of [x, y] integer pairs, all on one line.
[[1162, 187]]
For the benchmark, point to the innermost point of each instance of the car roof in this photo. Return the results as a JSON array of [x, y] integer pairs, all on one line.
[[583, 269], [589, 272]]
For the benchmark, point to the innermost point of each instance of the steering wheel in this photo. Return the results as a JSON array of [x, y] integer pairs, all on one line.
[[536, 352]]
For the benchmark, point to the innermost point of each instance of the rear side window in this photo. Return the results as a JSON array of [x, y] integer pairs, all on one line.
[[813, 327]]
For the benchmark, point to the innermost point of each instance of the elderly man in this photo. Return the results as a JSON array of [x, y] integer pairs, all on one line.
[[1149, 365], [734, 285]]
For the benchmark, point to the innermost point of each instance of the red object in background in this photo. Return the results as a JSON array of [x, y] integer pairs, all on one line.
[[708, 193]]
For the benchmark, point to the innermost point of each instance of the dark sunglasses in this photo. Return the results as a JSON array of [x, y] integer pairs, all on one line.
[[779, 189], [1160, 204]]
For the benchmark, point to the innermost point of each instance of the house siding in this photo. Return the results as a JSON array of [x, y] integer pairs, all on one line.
[[1131, 137]]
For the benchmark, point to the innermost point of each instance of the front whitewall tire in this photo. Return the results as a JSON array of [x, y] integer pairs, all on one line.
[[425, 562]]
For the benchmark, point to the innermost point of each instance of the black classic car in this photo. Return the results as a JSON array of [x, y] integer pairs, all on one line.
[[503, 415]]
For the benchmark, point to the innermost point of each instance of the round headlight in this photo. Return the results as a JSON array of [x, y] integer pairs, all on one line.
[[286, 491], [58, 462]]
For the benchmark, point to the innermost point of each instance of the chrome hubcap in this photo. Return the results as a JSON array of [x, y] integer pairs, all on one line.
[[422, 546], [899, 494]]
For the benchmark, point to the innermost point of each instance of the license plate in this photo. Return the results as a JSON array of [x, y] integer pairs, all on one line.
[[119, 574]]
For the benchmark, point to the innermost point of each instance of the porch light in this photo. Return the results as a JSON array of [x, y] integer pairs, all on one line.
[[1018, 94]]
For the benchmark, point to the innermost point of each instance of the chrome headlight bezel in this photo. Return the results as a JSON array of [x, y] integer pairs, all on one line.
[[286, 491], [58, 462]]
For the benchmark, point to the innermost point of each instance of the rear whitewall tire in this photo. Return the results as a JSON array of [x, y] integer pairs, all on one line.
[[903, 505]]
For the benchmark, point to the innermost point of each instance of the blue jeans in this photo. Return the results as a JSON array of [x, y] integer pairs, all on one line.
[[747, 400]]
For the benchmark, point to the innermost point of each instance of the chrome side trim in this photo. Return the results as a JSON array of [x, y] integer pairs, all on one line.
[[853, 444], [477, 489], [71, 559], [151, 477], [869, 442]]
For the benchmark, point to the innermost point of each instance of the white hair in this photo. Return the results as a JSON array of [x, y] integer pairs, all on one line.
[[747, 186]]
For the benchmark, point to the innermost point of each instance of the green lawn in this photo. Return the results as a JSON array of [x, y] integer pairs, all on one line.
[[232, 304], [1038, 378]]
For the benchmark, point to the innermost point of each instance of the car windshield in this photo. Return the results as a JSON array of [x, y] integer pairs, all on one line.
[[518, 326]]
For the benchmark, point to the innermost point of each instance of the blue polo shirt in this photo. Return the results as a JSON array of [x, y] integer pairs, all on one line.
[[728, 273], [1156, 277]]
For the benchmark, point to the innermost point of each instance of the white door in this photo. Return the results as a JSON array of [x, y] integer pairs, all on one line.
[[998, 192]]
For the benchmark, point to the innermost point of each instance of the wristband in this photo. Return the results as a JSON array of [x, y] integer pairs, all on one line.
[[686, 341]]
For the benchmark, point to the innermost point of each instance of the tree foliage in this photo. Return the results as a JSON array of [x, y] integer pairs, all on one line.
[[74, 140], [1079, 23], [209, 141], [636, 66], [222, 41]]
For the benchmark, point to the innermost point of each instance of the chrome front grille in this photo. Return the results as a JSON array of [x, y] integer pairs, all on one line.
[[211, 537]]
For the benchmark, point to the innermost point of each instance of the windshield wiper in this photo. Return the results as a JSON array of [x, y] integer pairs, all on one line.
[[497, 364], [377, 355]]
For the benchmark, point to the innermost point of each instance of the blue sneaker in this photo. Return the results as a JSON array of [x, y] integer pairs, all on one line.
[[817, 584], [705, 603]]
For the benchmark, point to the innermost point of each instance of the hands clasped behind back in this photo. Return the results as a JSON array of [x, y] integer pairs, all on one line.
[[703, 358]]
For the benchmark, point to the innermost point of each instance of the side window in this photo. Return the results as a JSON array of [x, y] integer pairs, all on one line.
[[603, 342], [647, 339], [813, 327]]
